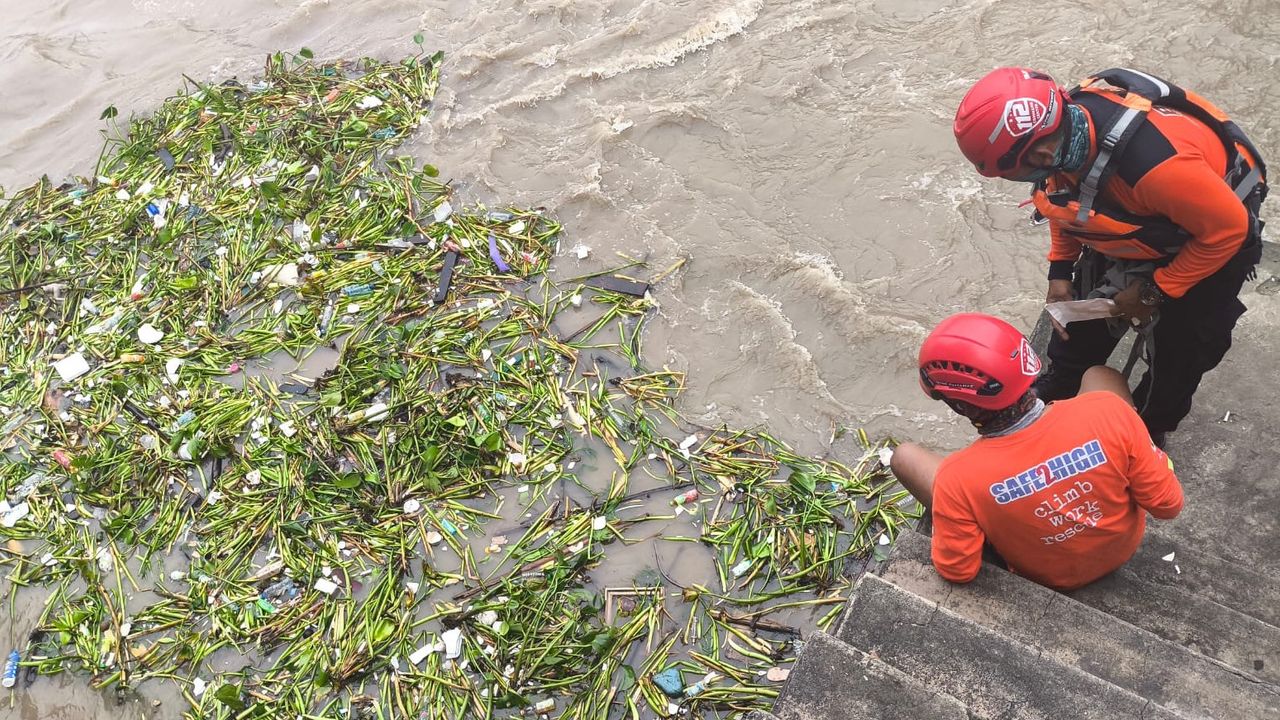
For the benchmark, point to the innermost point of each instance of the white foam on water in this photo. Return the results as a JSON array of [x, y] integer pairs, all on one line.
[[722, 25]]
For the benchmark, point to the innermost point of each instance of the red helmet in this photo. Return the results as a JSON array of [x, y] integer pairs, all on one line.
[[1003, 114], [978, 359]]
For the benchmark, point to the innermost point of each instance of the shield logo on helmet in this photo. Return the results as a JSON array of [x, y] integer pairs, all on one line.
[[1022, 115], [1030, 363]]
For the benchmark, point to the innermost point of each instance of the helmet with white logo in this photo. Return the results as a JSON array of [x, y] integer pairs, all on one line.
[[1003, 114], [977, 359]]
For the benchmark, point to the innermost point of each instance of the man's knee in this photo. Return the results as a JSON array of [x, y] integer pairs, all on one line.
[[1103, 378], [905, 458]]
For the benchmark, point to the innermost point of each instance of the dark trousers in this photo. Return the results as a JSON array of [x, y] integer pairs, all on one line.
[[1190, 339]]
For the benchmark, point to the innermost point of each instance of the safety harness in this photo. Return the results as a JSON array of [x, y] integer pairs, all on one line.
[[1078, 208]]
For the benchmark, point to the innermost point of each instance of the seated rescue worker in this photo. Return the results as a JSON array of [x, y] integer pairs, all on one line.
[[1152, 198], [1060, 491]]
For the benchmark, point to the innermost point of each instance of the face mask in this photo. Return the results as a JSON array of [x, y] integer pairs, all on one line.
[[1072, 150]]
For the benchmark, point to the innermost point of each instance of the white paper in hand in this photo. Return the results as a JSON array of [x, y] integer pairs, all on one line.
[[1073, 310]]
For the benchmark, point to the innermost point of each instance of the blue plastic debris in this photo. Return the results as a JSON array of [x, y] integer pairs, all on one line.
[[670, 681]]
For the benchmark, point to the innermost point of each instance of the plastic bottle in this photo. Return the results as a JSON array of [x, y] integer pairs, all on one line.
[[280, 592], [326, 318], [355, 291], [688, 497], [11, 669]]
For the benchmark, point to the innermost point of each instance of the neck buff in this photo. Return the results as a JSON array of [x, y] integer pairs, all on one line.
[[1071, 152], [999, 429], [1074, 148]]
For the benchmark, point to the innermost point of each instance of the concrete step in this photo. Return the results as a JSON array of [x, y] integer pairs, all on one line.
[[832, 681], [1070, 632], [1200, 571], [1228, 469], [992, 674], [1191, 620]]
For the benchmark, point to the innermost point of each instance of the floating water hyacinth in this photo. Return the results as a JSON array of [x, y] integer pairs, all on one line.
[[412, 529]]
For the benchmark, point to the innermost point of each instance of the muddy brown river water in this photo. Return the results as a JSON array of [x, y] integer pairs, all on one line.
[[798, 154]]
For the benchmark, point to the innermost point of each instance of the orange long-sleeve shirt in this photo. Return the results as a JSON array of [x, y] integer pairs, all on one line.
[[1062, 500], [1187, 188]]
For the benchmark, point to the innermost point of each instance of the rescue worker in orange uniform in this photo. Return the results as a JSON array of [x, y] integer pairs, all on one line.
[[1061, 491], [1152, 198]]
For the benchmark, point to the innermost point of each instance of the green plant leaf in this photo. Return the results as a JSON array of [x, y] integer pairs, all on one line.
[[109, 113], [430, 456], [628, 678], [600, 641], [306, 53], [229, 695], [802, 481], [490, 441]]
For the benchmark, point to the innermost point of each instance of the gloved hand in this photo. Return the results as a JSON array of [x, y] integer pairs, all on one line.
[[1059, 291], [1128, 304]]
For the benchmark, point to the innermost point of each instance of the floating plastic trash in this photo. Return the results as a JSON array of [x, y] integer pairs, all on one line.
[[452, 643], [496, 256], [149, 334], [417, 656], [71, 367], [443, 211], [670, 682], [171, 369], [11, 669], [886, 455], [15, 514]]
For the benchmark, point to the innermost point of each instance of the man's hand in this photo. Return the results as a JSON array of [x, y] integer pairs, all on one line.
[[1059, 291], [1128, 304]]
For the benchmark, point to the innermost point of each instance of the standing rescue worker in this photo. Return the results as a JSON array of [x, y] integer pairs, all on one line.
[[1152, 198], [1061, 492]]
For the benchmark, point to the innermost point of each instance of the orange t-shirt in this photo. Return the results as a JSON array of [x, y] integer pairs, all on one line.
[[1061, 500]]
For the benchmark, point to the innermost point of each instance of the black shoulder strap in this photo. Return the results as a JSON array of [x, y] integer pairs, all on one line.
[[1112, 140], [1157, 90], [1243, 176]]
